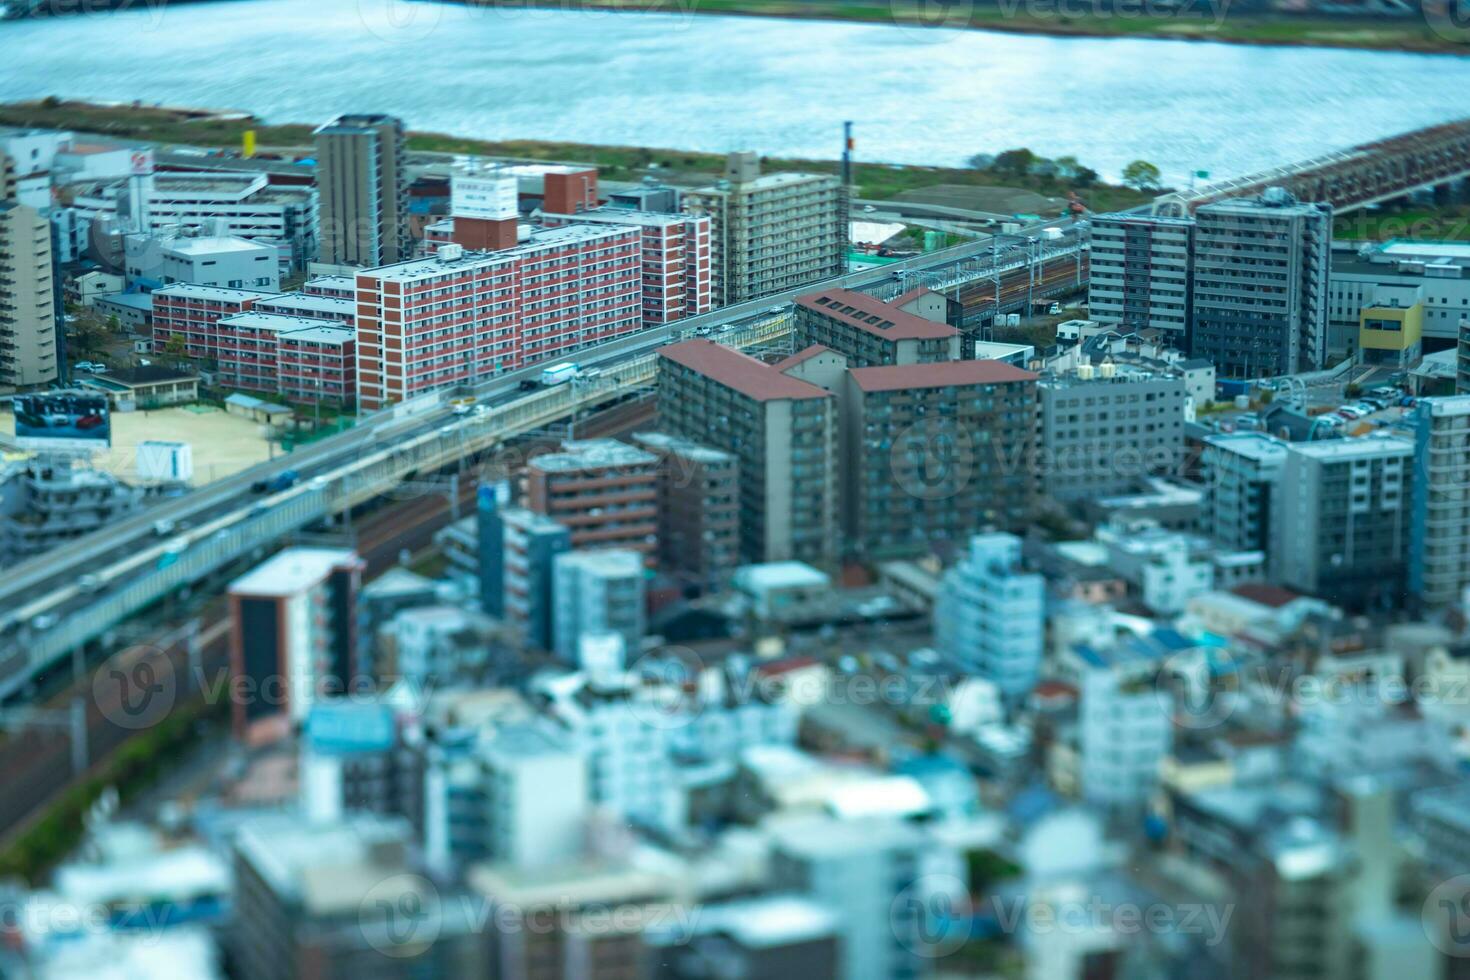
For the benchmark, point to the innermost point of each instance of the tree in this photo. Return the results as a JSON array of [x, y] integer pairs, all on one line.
[[88, 336], [1142, 175], [982, 161], [175, 346], [1014, 163]]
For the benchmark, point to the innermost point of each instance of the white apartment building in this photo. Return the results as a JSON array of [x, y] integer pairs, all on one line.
[[990, 615], [1125, 731], [597, 592]]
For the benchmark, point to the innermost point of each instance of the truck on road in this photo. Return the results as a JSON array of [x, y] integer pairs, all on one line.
[[558, 374]]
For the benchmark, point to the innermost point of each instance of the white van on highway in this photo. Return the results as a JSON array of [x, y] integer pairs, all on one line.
[[558, 374]]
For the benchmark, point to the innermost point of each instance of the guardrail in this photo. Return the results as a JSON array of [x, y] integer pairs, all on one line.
[[354, 482]]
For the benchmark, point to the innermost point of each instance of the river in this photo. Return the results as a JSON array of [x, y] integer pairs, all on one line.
[[720, 83]]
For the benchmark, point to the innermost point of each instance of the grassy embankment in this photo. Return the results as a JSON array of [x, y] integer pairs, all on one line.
[[1216, 22], [875, 181]]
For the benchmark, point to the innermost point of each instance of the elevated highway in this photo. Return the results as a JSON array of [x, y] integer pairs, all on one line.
[[56, 604]]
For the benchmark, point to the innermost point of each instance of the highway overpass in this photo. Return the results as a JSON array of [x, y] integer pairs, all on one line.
[[56, 603]]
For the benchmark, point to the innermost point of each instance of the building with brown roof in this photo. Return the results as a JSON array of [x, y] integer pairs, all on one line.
[[870, 332], [782, 430], [932, 453]]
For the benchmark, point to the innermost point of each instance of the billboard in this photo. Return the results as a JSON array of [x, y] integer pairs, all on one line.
[[485, 197], [62, 420], [140, 162]]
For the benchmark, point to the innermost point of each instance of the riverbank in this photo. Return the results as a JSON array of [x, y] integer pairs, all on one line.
[[874, 181], [1056, 18]]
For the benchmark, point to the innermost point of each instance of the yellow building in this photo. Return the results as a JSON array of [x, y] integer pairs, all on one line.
[[1391, 334]]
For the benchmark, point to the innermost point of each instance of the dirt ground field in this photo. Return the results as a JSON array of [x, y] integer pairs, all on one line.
[[1004, 200], [222, 443]]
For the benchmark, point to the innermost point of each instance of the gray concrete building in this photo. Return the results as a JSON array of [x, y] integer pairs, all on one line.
[[771, 232], [362, 177], [870, 332], [1261, 270], [1140, 267], [782, 430], [1240, 474], [1439, 547], [1341, 520], [597, 592], [1360, 273], [1104, 428]]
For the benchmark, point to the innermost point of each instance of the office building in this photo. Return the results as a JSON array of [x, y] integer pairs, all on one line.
[[293, 635], [1438, 271], [1140, 269], [771, 233], [674, 253], [597, 592], [1341, 526], [934, 452], [1260, 285], [530, 544], [783, 432], [1105, 428], [362, 180], [990, 615], [155, 260], [243, 205], [344, 901], [1439, 545], [870, 332], [698, 509], [603, 491], [461, 317], [1240, 474]]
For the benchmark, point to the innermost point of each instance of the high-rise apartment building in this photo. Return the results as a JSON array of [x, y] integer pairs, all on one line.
[[603, 491], [1140, 269], [870, 332], [771, 232], [782, 430], [932, 453], [1341, 526], [698, 509], [676, 265], [28, 355], [293, 633], [459, 317], [1439, 547], [1261, 271], [990, 615], [362, 179]]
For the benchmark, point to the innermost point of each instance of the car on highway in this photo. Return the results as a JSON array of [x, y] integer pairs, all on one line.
[[528, 384], [163, 528], [284, 480]]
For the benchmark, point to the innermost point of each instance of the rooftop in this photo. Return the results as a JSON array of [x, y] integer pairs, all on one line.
[[541, 238], [897, 377], [739, 372], [591, 454], [679, 446], [292, 571], [870, 314], [219, 294], [212, 245], [281, 322], [146, 374], [335, 305]]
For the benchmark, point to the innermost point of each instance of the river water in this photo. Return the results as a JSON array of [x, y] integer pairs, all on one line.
[[721, 83]]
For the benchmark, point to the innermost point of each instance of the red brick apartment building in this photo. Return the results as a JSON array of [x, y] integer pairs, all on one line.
[[457, 317]]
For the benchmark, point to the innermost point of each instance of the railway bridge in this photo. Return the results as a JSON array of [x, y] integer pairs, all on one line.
[[1349, 179]]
